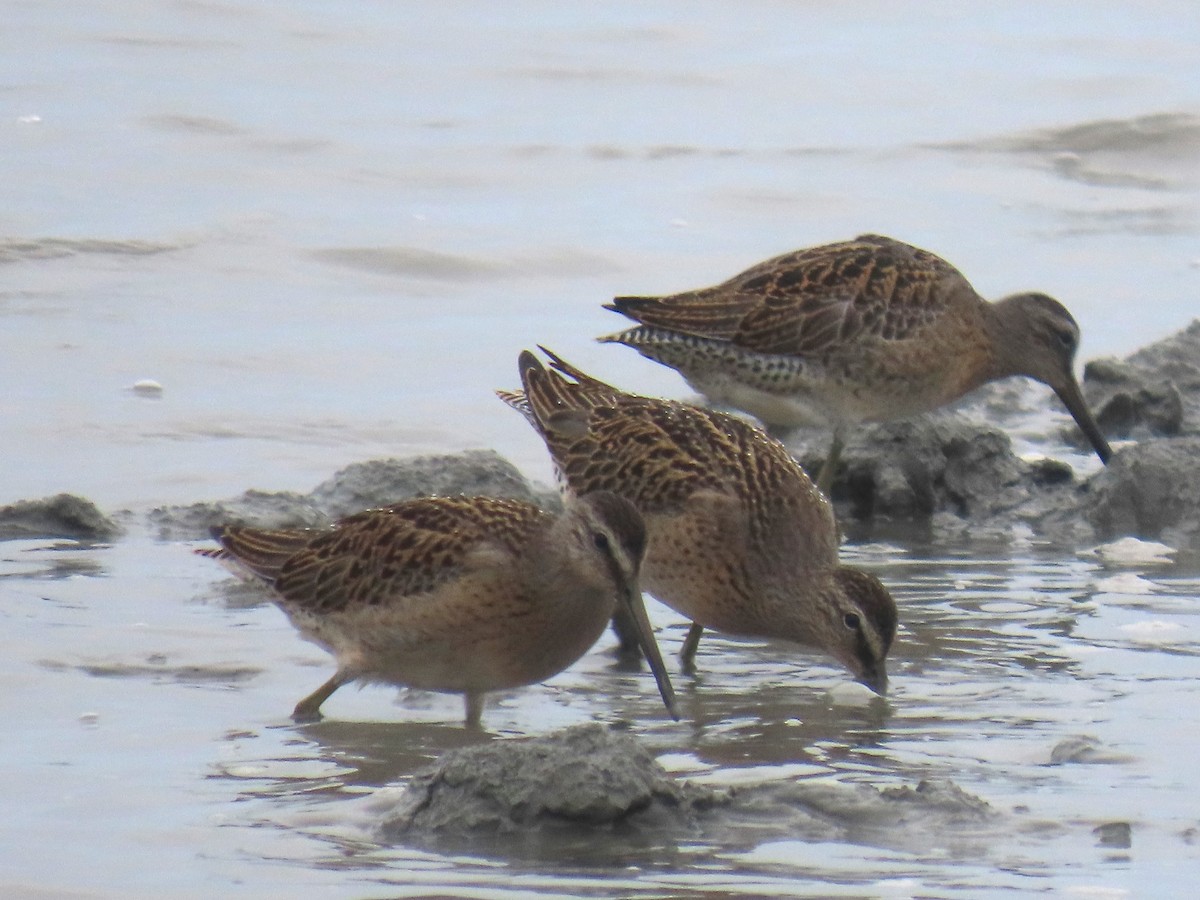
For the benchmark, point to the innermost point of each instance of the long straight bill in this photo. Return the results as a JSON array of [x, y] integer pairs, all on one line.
[[1072, 398], [645, 638]]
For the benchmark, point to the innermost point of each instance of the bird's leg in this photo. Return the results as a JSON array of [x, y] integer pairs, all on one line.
[[474, 702], [687, 655], [829, 467], [309, 709]]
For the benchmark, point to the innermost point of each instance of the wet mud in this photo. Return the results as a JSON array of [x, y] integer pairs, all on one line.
[[563, 785]]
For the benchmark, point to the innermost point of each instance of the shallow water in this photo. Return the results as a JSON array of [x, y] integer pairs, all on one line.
[[327, 231], [149, 747]]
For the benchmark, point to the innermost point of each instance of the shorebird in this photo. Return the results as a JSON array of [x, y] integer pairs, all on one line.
[[860, 331], [455, 594], [737, 537]]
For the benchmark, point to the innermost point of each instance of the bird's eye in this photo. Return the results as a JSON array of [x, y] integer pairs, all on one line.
[[852, 621], [600, 539], [1067, 339]]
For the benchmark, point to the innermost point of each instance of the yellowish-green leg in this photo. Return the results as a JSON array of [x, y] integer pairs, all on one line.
[[687, 655], [474, 703], [309, 709], [829, 467]]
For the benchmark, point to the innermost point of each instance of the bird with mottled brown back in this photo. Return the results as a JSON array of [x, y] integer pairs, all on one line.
[[738, 538], [456, 594], [866, 330]]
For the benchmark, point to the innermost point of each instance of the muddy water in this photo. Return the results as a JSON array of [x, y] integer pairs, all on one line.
[[149, 748], [327, 232]]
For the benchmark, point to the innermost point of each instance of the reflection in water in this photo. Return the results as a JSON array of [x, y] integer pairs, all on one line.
[[335, 758], [50, 559], [376, 754]]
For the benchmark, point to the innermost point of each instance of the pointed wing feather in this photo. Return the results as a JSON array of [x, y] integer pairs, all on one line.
[[259, 552], [808, 301], [378, 555], [660, 453]]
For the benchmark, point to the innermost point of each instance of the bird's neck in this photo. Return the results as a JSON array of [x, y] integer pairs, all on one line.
[[555, 568], [799, 622], [1002, 322]]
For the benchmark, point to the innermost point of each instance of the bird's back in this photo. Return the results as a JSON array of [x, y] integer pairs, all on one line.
[[380, 556], [663, 455], [815, 300]]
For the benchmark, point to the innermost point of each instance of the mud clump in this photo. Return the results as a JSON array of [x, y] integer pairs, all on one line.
[[915, 468], [1131, 404], [1150, 490], [382, 481], [944, 477], [265, 509], [547, 795], [565, 784], [60, 516], [359, 486], [1154, 392]]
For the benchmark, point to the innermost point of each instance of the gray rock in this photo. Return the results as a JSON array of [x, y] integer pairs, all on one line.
[[584, 776], [1054, 509], [1152, 393], [915, 469], [544, 796], [60, 516], [944, 477], [934, 813], [357, 487], [262, 509], [951, 803], [1131, 403], [384, 481], [1150, 490]]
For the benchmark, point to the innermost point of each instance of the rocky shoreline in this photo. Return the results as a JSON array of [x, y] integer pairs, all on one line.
[[948, 476]]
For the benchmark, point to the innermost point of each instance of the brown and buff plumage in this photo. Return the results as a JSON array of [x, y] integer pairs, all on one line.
[[858, 331], [456, 594], [738, 537]]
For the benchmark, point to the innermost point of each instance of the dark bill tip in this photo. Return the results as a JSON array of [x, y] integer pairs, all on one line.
[[1072, 398], [876, 679], [645, 637]]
